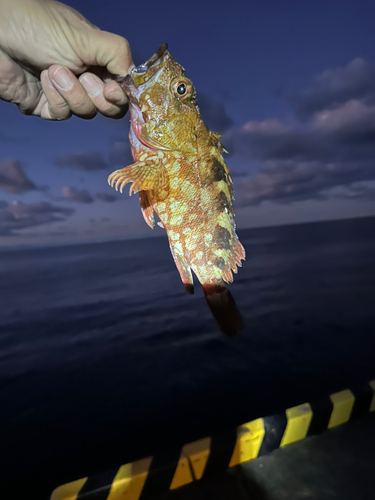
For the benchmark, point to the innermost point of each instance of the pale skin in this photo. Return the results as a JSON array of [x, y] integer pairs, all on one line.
[[55, 63]]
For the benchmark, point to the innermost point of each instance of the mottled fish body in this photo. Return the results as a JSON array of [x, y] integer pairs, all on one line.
[[180, 174]]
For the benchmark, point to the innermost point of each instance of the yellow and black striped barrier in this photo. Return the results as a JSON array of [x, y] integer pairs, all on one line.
[[152, 476]]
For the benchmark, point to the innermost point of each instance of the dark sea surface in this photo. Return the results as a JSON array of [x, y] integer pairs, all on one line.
[[105, 359]]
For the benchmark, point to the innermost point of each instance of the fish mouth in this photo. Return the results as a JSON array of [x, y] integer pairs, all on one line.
[[155, 60], [140, 74]]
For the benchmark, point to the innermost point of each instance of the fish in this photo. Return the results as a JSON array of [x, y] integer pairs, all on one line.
[[180, 175]]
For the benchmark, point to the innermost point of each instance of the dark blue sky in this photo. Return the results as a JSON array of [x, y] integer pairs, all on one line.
[[290, 84]]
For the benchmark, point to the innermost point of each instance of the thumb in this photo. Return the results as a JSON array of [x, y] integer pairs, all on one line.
[[107, 50]]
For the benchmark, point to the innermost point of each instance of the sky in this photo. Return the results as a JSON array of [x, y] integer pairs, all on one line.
[[290, 85]]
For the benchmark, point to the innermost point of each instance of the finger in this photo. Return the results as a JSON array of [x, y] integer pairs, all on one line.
[[108, 50], [115, 106], [54, 107], [72, 91], [114, 93]]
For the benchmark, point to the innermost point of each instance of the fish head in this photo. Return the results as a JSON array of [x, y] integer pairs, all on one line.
[[162, 101]]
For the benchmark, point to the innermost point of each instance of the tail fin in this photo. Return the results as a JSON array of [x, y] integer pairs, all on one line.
[[224, 309]]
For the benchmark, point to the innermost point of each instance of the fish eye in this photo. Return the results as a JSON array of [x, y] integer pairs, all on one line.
[[181, 89]]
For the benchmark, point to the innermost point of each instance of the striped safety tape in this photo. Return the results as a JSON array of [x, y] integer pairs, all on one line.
[[152, 476]]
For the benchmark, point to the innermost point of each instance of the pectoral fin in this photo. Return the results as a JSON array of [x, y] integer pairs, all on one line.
[[144, 175]]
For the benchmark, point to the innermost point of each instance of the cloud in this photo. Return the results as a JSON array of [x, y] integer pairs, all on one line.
[[287, 181], [337, 148], [88, 162], [13, 179], [108, 198], [18, 216], [3, 204], [77, 195], [58, 233], [358, 192], [306, 159], [120, 153], [214, 114], [336, 86], [22, 210], [345, 133]]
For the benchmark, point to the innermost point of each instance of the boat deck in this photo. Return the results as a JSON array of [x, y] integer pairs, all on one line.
[[339, 464]]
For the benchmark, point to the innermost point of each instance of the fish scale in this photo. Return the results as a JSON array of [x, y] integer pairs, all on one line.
[[180, 174]]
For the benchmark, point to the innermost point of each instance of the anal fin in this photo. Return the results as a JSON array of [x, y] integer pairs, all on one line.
[[184, 270], [144, 176]]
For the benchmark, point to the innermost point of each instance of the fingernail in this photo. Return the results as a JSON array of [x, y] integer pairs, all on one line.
[[62, 79], [92, 85]]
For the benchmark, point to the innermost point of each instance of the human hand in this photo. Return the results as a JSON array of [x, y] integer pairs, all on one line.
[[54, 63]]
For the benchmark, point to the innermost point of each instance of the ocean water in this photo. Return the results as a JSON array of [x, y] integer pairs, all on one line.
[[105, 359]]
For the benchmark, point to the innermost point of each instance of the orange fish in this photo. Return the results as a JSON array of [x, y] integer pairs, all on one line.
[[180, 174]]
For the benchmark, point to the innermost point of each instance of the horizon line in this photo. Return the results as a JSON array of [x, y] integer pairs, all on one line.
[[11, 248]]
